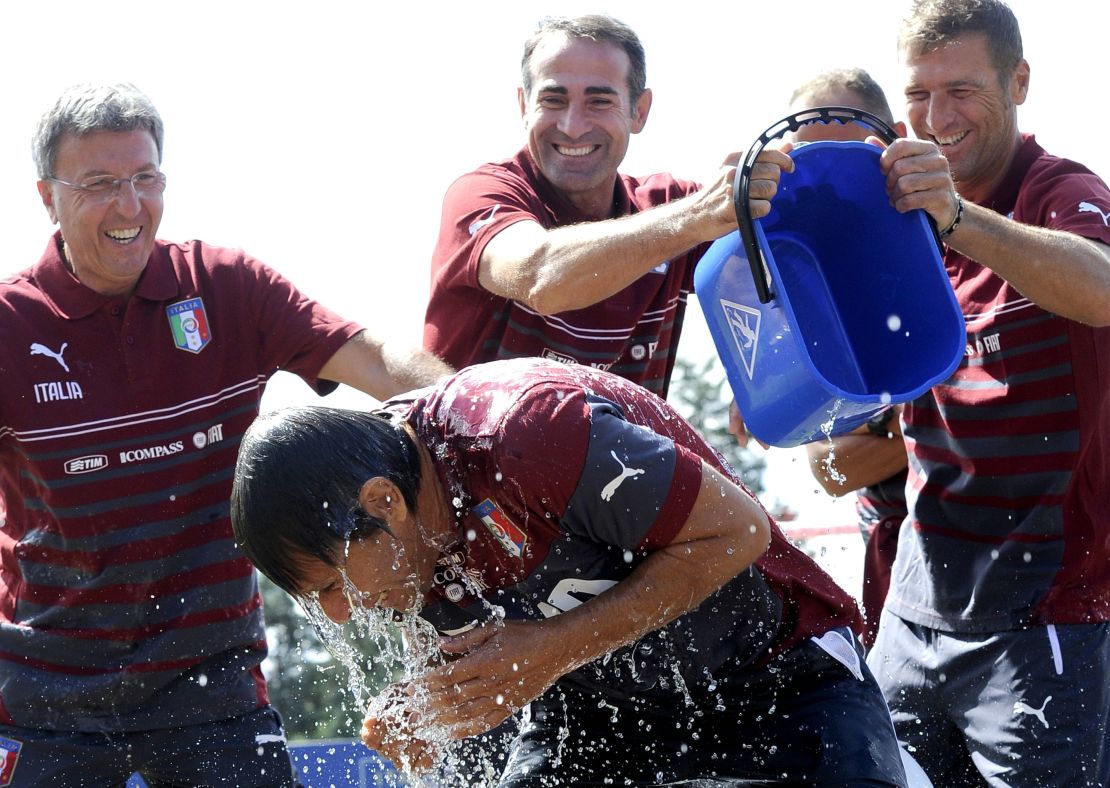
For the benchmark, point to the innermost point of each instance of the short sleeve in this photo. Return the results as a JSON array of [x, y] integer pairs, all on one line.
[[294, 333]]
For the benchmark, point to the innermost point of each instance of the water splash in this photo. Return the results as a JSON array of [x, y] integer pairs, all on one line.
[[828, 462]]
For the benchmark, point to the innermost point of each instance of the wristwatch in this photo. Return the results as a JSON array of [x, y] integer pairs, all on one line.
[[877, 424]]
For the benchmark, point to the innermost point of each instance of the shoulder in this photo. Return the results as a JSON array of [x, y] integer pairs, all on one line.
[[1063, 194], [659, 188], [512, 399]]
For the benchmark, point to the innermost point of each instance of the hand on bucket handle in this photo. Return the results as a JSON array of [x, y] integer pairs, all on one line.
[[742, 184]]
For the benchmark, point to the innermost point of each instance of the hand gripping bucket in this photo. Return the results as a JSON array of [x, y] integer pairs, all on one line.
[[834, 305]]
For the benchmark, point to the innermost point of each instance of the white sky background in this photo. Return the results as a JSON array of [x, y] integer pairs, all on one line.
[[321, 136]]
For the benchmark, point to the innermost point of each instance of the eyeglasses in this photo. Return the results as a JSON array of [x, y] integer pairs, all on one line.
[[103, 187]]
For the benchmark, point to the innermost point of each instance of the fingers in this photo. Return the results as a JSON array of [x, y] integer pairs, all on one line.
[[764, 183], [918, 176], [736, 425], [467, 641], [400, 745]]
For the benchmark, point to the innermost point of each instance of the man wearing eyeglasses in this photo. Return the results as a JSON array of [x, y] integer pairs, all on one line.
[[130, 624]]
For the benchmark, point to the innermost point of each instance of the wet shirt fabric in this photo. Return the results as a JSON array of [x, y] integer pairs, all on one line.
[[124, 603], [1010, 458], [632, 333], [563, 479]]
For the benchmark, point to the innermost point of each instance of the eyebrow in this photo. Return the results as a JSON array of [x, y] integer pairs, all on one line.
[[590, 91]]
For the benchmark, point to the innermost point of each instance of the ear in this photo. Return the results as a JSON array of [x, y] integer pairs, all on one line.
[[640, 111], [1019, 82], [522, 101], [46, 192], [379, 497], [900, 129]]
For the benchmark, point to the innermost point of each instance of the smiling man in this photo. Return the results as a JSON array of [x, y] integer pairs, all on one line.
[[130, 624], [994, 648], [553, 253]]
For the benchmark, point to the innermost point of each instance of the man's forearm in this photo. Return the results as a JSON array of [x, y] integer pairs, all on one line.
[[671, 581], [382, 369], [579, 265], [1061, 272]]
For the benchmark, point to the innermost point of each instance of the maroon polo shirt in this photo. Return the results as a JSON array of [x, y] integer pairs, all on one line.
[[124, 603], [633, 333]]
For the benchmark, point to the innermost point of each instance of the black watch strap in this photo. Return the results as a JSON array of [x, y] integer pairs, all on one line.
[[879, 423]]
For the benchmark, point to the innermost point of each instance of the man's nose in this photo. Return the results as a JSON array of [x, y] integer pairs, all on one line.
[[938, 113], [127, 198], [574, 121]]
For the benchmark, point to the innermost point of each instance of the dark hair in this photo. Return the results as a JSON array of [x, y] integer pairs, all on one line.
[[85, 108], [855, 80], [297, 483], [931, 24], [598, 28]]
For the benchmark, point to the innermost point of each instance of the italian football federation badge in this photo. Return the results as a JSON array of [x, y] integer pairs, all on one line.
[[189, 325], [9, 756], [503, 529]]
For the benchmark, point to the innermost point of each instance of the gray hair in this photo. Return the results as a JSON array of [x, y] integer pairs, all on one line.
[[598, 28], [855, 80], [930, 24], [89, 107]]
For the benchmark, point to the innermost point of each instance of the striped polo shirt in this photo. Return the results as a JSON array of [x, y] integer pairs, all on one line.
[[1009, 494], [124, 603], [632, 333]]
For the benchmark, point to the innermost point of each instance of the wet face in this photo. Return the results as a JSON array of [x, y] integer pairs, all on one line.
[[108, 238], [377, 571], [956, 98], [579, 117]]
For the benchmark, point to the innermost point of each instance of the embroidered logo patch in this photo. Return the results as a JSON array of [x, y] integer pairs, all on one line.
[[9, 755], [503, 529], [189, 325]]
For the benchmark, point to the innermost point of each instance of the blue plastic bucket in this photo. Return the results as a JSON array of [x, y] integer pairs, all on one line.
[[835, 305]]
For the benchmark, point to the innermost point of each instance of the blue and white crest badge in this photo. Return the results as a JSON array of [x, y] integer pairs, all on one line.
[[189, 324]]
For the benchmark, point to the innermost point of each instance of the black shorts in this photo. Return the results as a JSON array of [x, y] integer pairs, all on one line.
[[241, 752], [1026, 708], [804, 720]]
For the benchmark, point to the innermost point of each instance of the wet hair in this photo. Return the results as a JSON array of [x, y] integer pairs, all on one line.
[[931, 24], [857, 81], [297, 483], [598, 28], [88, 107]]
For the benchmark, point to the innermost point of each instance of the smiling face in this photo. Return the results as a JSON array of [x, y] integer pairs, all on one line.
[[579, 117], [108, 241], [956, 98]]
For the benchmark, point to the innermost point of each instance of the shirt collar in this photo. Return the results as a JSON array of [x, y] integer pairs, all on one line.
[[73, 300], [1004, 197], [564, 210]]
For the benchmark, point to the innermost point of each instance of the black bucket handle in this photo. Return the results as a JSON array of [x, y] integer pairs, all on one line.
[[741, 185]]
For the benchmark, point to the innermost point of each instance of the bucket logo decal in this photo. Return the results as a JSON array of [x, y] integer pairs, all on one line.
[[743, 323], [189, 324]]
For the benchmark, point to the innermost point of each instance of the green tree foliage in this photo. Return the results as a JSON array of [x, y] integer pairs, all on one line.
[[700, 392]]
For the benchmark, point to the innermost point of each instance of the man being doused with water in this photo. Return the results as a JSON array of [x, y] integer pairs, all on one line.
[[584, 555]]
